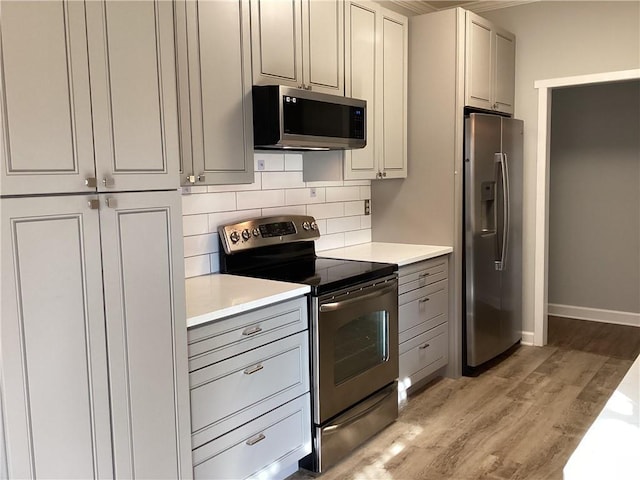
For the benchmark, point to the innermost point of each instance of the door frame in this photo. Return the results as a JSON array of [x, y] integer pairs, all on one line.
[[541, 239]]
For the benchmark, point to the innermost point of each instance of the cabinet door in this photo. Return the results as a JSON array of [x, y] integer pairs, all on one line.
[[132, 65], [505, 71], [146, 332], [276, 31], [323, 45], [393, 95], [478, 62], [360, 42], [52, 351], [46, 138], [219, 99]]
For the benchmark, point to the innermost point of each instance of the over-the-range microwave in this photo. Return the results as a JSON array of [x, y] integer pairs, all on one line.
[[296, 119]]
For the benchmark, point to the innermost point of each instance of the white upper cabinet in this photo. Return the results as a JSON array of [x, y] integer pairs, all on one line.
[[299, 43], [88, 97], [376, 71], [46, 137], [214, 78], [489, 65]]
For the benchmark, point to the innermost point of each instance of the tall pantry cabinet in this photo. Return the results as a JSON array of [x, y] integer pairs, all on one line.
[[93, 375]]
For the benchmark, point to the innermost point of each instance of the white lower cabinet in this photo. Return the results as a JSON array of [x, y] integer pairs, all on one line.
[[93, 344], [423, 319], [250, 403]]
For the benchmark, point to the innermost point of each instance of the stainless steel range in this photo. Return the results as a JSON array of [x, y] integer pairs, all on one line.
[[353, 307]]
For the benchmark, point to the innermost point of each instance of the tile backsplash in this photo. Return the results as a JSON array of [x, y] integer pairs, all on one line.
[[278, 187]]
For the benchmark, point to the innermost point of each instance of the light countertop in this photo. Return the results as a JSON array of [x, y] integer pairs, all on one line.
[[611, 446], [212, 297], [398, 253]]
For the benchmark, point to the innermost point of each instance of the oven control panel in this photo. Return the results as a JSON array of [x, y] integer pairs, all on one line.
[[263, 231]]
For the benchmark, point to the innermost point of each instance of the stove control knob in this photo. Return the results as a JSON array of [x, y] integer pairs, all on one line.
[[314, 226], [306, 225], [234, 237], [246, 234], [256, 232]]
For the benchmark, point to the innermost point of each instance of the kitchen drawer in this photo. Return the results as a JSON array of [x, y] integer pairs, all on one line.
[[424, 273], [424, 354], [231, 336], [232, 392], [427, 306], [282, 435]]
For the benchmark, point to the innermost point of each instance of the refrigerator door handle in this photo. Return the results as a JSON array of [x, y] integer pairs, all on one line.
[[501, 158]]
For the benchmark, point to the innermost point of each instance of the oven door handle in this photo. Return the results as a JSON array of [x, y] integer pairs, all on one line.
[[358, 415], [332, 307]]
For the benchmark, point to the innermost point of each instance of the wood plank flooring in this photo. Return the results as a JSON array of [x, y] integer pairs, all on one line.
[[521, 419]]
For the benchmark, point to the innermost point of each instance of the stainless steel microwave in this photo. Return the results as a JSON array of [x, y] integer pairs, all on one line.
[[295, 119]]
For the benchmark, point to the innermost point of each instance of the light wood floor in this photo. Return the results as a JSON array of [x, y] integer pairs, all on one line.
[[521, 419]]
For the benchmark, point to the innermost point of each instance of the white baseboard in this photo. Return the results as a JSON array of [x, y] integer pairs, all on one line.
[[527, 338], [595, 314]]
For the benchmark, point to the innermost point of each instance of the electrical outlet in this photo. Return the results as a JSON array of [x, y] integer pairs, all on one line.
[[260, 164], [367, 207], [312, 192]]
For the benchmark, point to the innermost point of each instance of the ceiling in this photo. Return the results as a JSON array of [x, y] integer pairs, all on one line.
[[418, 7]]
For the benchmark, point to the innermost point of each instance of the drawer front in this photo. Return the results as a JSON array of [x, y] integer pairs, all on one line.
[[232, 392], [231, 336], [424, 354], [282, 435], [421, 306], [423, 273]]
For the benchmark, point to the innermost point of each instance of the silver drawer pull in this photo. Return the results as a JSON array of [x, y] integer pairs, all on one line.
[[256, 439], [254, 369], [422, 347], [252, 330], [424, 300], [425, 275]]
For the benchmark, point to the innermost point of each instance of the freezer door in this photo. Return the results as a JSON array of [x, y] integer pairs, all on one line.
[[511, 301], [483, 213]]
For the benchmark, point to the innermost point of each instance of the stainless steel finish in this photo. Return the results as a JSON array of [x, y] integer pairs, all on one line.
[[302, 142], [349, 430], [233, 241], [256, 439], [111, 202], [91, 182], [251, 330], [493, 236], [256, 368], [108, 182], [331, 312], [94, 204]]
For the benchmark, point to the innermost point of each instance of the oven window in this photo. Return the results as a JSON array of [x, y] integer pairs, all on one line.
[[360, 345]]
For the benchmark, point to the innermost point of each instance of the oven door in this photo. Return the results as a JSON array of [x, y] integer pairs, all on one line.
[[356, 340]]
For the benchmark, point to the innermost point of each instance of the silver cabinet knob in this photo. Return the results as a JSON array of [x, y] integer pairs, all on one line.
[[201, 177], [384, 174], [191, 179], [94, 204], [108, 182], [91, 182], [111, 202]]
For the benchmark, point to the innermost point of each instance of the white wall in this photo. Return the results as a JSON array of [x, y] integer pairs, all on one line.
[[337, 205], [594, 197], [561, 39]]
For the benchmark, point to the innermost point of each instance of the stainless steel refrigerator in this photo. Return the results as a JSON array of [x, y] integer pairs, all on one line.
[[493, 171]]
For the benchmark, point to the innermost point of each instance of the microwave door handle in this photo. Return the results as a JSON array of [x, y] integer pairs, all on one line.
[[332, 307]]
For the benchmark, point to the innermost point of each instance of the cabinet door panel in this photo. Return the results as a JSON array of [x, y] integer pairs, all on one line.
[[323, 45], [360, 34], [276, 40], [132, 59], [47, 144], [220, 101], [146, 328], [479, 62], [394, 85], [53, 358], [505, 69]]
